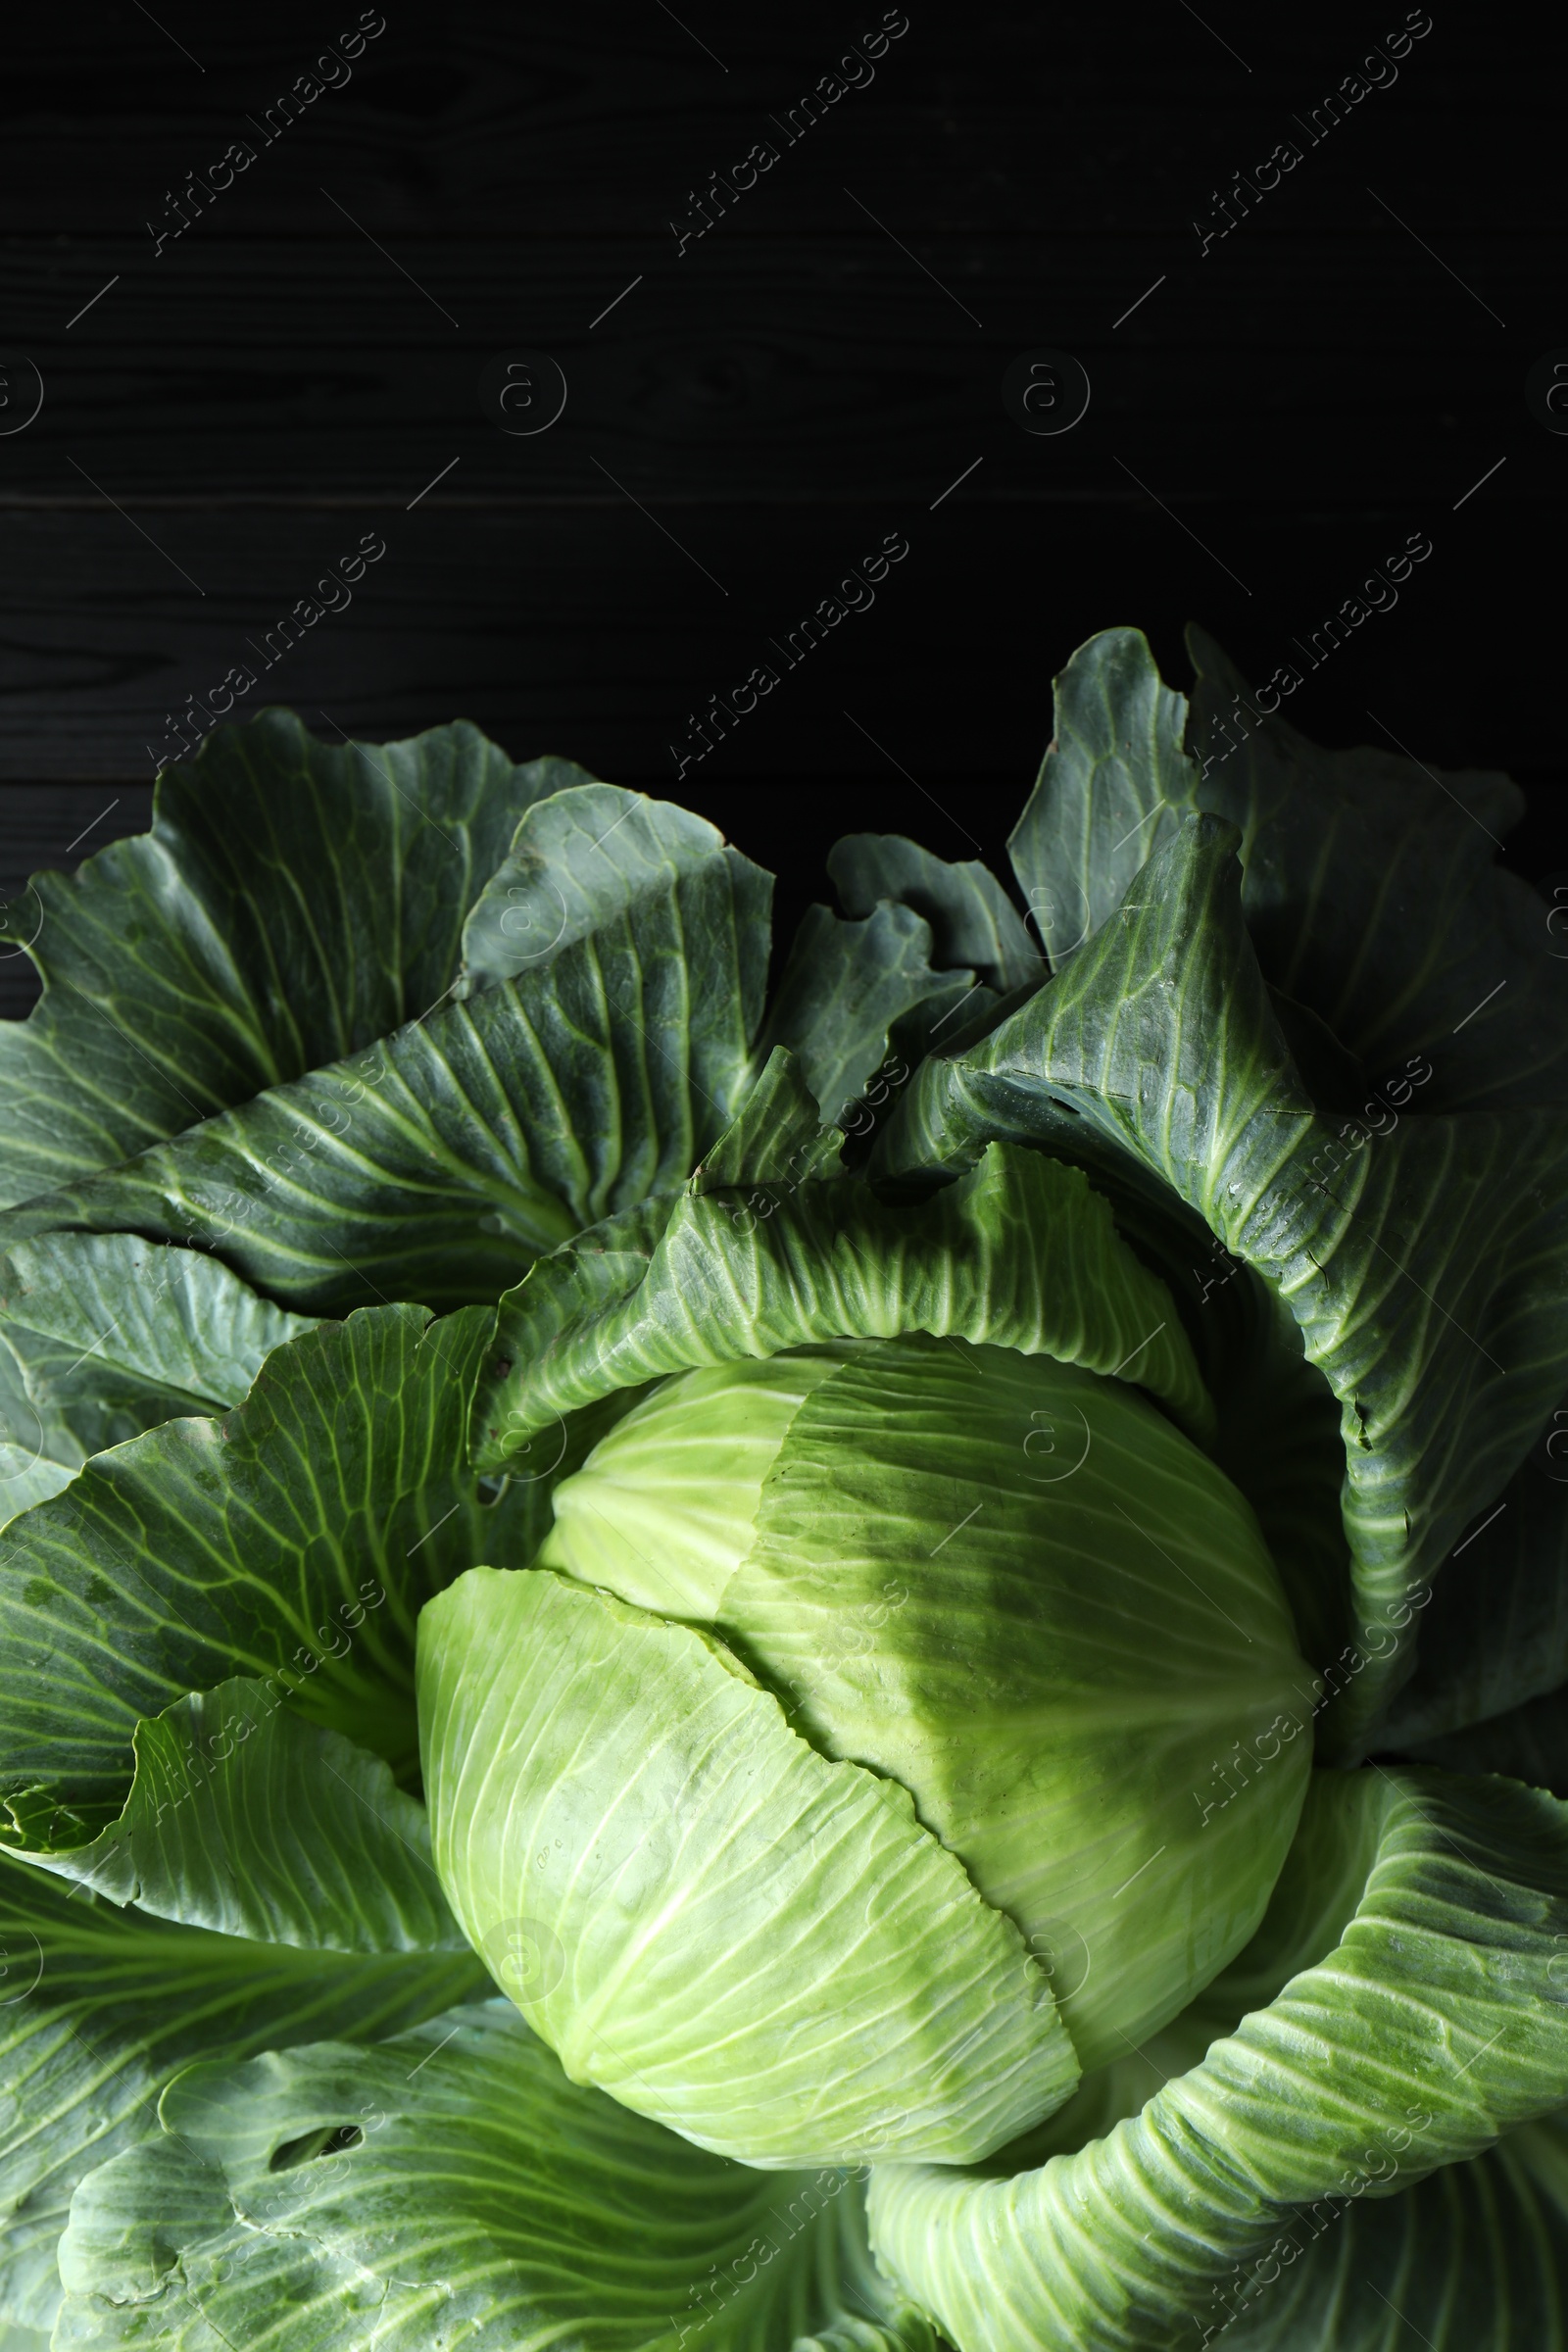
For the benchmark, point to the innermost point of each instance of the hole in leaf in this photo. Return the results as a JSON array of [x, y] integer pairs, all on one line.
[[328, 2139]]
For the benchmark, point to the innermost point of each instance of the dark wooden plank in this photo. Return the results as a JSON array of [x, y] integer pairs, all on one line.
[[483, 121], [776, 370]]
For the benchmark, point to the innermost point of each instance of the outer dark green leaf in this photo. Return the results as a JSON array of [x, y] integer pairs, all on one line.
[[1372, 892], [440, 1163], [1111, 788], [247, 1820], [973, 922], [562, 880], [1434, 2024], [406, 1172], [845, 987], [1373, 896], [26, 1475], [110, 1335], [1022, 1254], [1443, 1328], [483, 2200], [776, 1137], [502, 934], [99, 2007], [293, 902], [1427, 1269], [1494, 1634], [1472, 2260], [1528, 1743], [1279, 1440], [295, 1542]]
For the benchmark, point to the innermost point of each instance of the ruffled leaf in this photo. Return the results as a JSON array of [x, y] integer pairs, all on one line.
[[247, 1820], [109, 1336], [562, 880], [974, 924], [1373, 896], [845, 988], [776, 1136], [453, 2184], [441, 1162], [293, 902], [99, 2007], [295, 1541], [1022, 1254], [1372, 893], [1434, 2024], [1111, 788]]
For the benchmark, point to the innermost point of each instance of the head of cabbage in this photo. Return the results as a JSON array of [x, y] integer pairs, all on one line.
[[990, 1621], [847, 1775]]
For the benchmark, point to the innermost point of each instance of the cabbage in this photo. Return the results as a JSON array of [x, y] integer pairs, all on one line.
[[1052, 1676], [873, 1666]]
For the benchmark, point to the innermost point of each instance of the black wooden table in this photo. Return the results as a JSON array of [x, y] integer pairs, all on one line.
[[268, 271]]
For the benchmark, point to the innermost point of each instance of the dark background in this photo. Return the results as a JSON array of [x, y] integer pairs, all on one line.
[[225, 418]]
